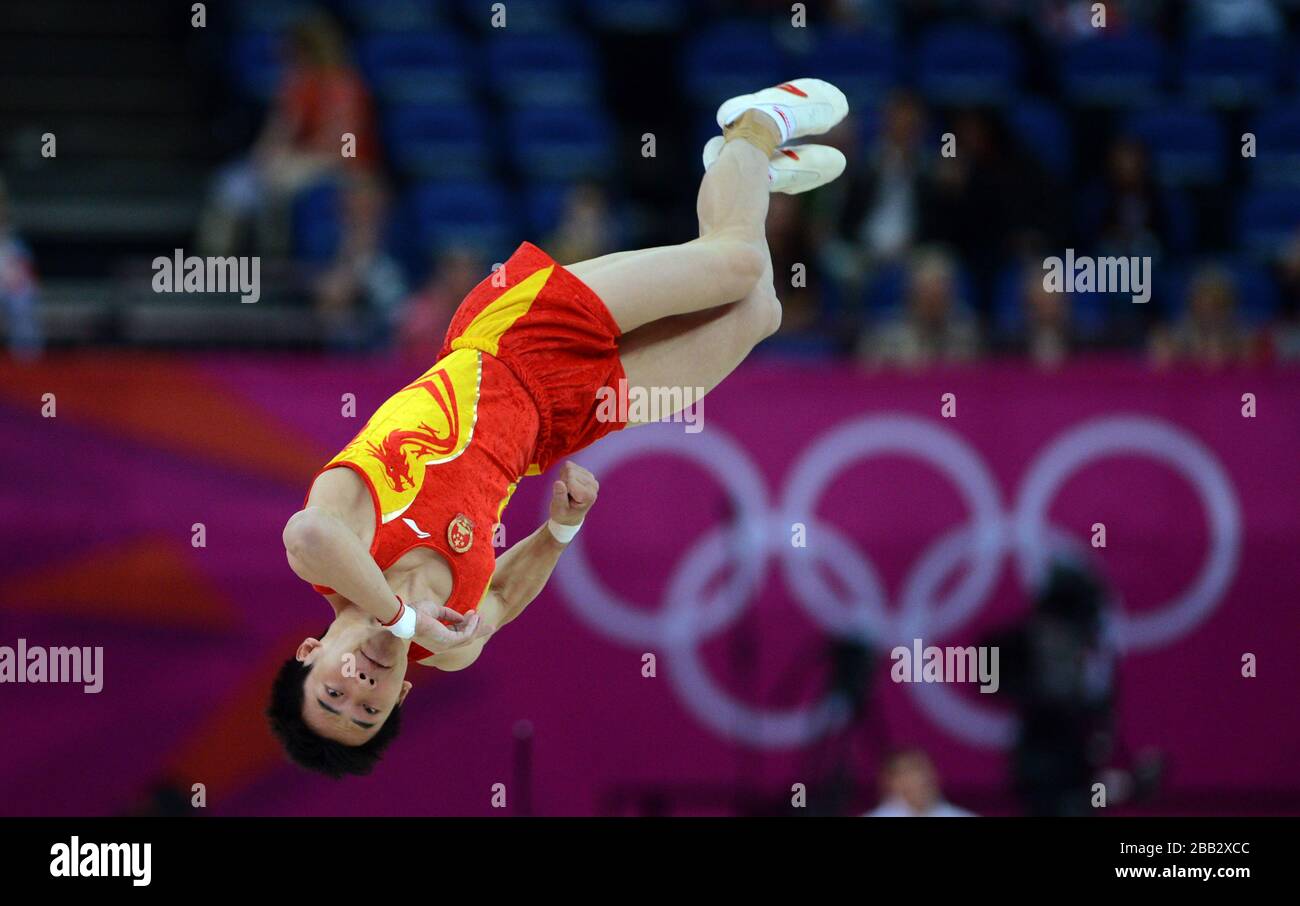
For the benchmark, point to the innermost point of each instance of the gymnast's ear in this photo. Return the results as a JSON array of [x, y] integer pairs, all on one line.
[[401, 696], [306, 648]]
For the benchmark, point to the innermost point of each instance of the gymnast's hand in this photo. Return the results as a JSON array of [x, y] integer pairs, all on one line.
[[435, 636], [573, 494]]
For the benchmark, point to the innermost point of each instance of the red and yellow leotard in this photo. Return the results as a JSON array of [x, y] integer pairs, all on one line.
[[514, 389]]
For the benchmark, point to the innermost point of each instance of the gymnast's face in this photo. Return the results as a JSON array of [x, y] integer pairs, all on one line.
[[357, 678]]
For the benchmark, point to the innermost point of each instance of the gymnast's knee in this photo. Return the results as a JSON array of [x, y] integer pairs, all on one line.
[[762, 314], [740, 267]]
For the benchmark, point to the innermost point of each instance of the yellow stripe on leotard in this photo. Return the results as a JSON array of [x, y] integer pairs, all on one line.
[[489, 325]]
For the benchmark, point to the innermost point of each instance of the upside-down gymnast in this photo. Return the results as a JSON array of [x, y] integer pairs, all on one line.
[[396, 529]]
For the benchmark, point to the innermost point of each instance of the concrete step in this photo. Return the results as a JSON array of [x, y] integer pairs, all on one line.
[[106, 219], [220, 323], [105, 56], [109, 94], [99, 17], [94, 311], [71, 177], [129, 135]]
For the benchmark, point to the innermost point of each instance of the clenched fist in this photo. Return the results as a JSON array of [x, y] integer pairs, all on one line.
[[439, 628], [573, 494]]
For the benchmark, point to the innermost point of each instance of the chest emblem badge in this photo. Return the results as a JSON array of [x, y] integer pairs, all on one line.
[[460, 533]]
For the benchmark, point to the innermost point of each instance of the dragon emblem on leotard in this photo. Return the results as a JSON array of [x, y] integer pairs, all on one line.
[[400, 444]]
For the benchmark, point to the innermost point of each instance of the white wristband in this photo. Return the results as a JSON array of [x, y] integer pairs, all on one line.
[[404, 628], [562, 533]]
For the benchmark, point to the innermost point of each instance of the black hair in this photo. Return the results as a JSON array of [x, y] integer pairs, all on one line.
[[307, 748]]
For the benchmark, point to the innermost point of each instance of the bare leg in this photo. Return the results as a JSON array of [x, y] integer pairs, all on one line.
[[699, 349], [723, 265]]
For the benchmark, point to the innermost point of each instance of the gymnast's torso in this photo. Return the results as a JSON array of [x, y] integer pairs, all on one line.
[[432, 470]]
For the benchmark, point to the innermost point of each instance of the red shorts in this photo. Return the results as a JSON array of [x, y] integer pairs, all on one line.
[[556, 336]]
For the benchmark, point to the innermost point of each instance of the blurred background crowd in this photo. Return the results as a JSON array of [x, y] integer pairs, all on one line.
[[578, 126], [379, 156]]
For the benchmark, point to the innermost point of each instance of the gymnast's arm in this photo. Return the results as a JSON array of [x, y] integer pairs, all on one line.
[[324, 550], [520, 577], [523, 570]]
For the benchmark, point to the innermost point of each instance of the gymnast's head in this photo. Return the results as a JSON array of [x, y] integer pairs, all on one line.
[[336, 704]]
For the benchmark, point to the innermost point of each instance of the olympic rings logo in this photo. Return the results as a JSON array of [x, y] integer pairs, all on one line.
[[695, 608]]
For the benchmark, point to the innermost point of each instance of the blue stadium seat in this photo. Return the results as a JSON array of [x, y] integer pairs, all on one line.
[[804, 345], [1266, 218], [1277, 146], [1120, 71], [865, 64], [417, 68], [1187, 146], [886, 292], [392, 15], [552, 144], [636, 16], [545, 205], [450, 214], [268, 15], [867, 123], [1181, 217], [705, 127], [1231, 71], [1008, 313], [520, 15], [731, 58], [256, 64], [537, 69], [1183, 220], [1042, 130], [316, 225], [1088, 311], [960, 64], [1257, 291], [436, 141]]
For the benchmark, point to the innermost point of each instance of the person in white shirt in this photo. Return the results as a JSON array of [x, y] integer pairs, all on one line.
[[910, 789]]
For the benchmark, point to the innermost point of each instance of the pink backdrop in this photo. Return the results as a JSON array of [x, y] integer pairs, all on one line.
[[915, 525]]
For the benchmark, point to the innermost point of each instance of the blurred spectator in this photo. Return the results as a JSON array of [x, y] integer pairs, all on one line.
[[1285, 337], [358, 295], [991, 200], [932, 327], [1075, 20], [881, 216], [586, 228], [855, 14], [1125, 213], [909, 788], [427, 312], [1047, 322], [794, 274], [1236, 17], [1211, 332], [18, 288], [321, 97]]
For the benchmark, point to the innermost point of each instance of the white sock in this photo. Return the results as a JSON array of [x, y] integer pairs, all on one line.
[[780, 114]]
